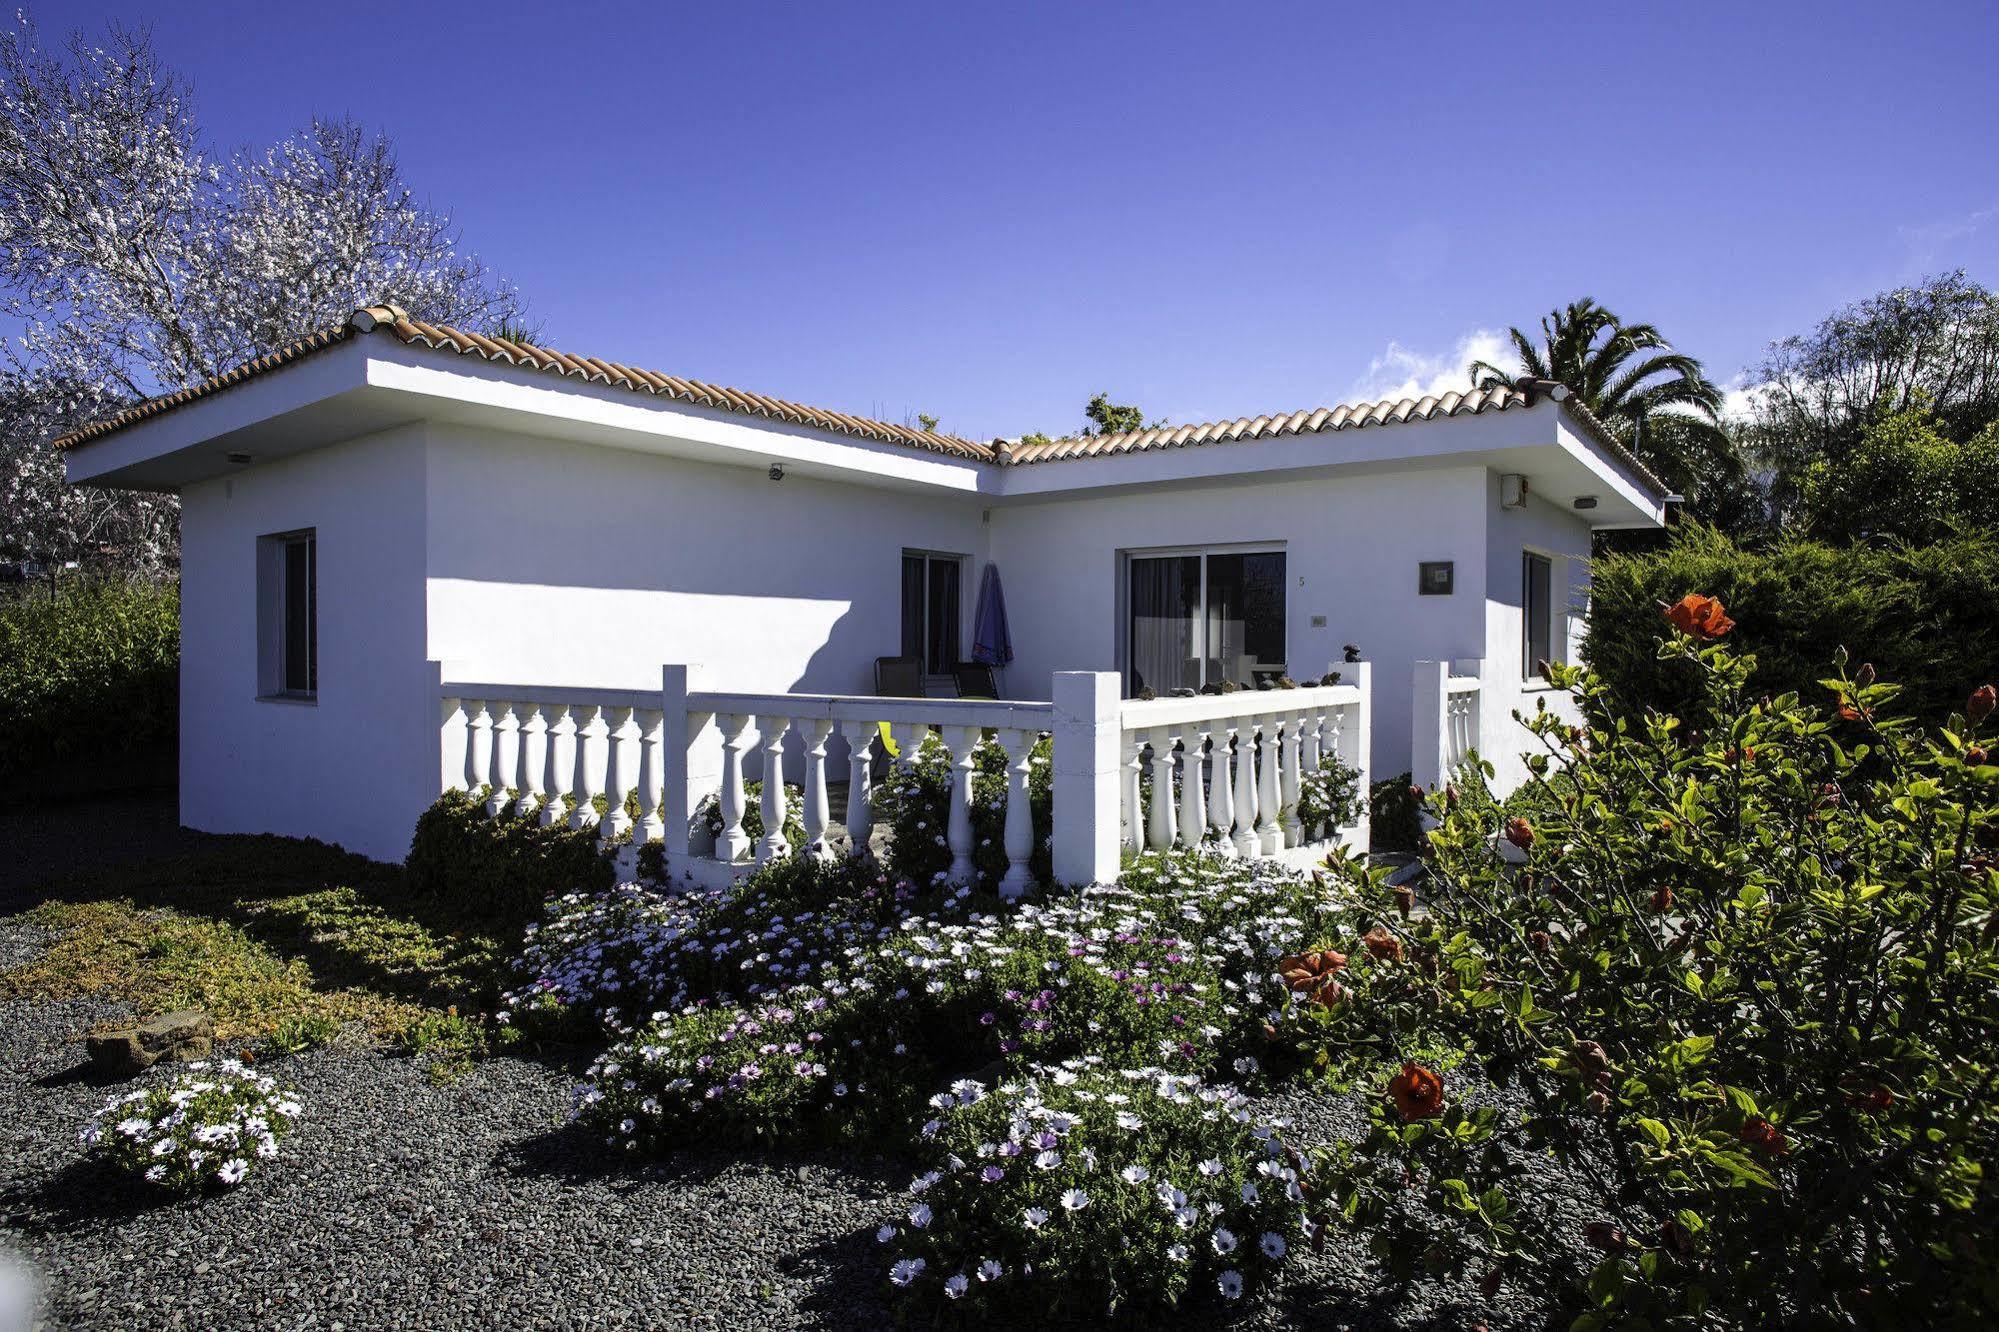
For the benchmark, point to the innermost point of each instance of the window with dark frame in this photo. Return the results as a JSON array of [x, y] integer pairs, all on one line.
[[1199, 618], [1536, 613], [931, 588], [299, 657]]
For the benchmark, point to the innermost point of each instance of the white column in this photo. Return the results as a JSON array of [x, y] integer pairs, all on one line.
[[618, 772], [1221, 791], [533, 759], [690, 764], [1193, 804], [479, 746], [1269, 800], [454, 739], [1429, 734], [561, 766], [1159, 823], [1086, 776], [1360, 752], [1291, 749], [860, 738], [1245, 787], [734, 843], [587, 784], [958, 828], [770, 734], [506, 756], [1134, 805], [817, 844], [1019, 835], [651, 826]]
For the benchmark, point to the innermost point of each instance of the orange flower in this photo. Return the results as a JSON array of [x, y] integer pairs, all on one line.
[[1315, 975], [1760, 1132], [1520, 833], [1382, 944], [1417, 1092], [1980, 704], [1703, 617]]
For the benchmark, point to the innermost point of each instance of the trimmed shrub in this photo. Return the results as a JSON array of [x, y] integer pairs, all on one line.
[[1925, 616], [89, 681], [500, 871]]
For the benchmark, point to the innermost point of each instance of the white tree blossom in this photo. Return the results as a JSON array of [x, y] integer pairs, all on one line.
[[135, 262]]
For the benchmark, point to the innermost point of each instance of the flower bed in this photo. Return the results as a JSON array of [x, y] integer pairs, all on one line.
[[211, 1125]]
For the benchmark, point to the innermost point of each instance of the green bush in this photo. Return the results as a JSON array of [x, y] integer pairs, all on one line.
[[1905, 478], [1395, 814], [499, 871], [1745, 978], [87, 679], [1927, 617], [915, 802]]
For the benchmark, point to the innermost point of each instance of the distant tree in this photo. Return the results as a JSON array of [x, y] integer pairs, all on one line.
[[1110, 418], [1658, 402], [1904, 479], [1933, 347], [136, 262], [926, 420]]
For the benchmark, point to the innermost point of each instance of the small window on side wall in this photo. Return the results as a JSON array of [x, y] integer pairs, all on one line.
[[288, 615], [1537, 597]]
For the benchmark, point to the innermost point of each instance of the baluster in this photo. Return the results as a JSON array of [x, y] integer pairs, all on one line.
[[587, 784], [860, 738], [1159, 824], [770, 734], [1269, 801], [1193, 804], [1221, 791], [506, 757], [1245, 787], [533, 760], [1134, 809], [478, 746], [817, 844], [734, 843], [1292, 749], [618, 773], [652, 824], [454, 739], [1019, 834], [561, 764], [961, 740]]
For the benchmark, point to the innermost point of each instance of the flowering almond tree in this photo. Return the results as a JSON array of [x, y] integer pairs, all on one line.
[[1741, 968], [133, 262]]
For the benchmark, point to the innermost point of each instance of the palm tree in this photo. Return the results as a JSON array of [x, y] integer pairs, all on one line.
[[1658, 402]]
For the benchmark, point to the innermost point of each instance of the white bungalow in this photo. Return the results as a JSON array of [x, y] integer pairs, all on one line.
[[414, 557]]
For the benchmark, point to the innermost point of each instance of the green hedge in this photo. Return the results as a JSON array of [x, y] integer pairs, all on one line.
[[1926, 616], [500, 872], [88, 681]]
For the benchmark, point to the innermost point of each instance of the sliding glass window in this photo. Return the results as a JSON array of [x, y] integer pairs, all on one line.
[[1203, 617]]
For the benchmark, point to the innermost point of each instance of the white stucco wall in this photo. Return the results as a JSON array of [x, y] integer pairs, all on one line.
[[355, 766], [1352, 547]]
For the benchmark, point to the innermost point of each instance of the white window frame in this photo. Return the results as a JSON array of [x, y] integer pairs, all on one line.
[[1124, 559]]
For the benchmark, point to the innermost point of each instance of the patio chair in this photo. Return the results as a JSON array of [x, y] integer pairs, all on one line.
[[898, 677], [975, 680]]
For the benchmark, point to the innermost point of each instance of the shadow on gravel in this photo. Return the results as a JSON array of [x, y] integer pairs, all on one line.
[[83, 1195], [846, 1274], [85, 1074]]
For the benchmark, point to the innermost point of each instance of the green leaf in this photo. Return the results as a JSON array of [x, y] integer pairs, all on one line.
[[1655, 1131]]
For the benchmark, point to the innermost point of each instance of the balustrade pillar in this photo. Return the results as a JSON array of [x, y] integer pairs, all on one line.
[[618, 773], [860, 738], [506, 757], [734, 844], [454, 742], [651, 825], [1134, 805], [561, 764], [770, 735], [1019, 834], [1292, 749], [1221, 791], [1269, 801], [817, 844], [478, 746], [1159, 823], [1193, 804], [586, 785], [960, 740], [1245, 788], [533, 759]]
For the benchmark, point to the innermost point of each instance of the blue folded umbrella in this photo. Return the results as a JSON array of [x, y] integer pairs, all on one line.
[[992, 645]]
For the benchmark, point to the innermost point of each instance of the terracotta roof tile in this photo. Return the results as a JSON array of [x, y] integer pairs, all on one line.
[[387, 319]]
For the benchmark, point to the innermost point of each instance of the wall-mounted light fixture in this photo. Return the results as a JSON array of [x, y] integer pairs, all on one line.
[[1585, 501], [776, 472], [240, 459]]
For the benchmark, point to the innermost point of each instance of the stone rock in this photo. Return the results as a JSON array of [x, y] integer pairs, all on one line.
[[186, 1034]]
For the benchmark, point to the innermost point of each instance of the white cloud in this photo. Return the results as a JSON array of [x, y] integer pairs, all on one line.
[[1404, 372], [1739, 398], [1929, 240]]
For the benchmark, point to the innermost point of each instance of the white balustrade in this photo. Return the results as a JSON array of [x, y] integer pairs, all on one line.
[[1225, 771], [1445, 719]]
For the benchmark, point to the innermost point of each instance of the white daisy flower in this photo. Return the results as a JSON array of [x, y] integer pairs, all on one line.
[[1230, 1285], [1034, 1218], [1075, 1200], [1273, 1244], [905, 1270], [1224, 1241]]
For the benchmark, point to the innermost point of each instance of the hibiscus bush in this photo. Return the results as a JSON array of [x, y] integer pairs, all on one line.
[[1095, 1191], [209, 1126], [1740, 967]]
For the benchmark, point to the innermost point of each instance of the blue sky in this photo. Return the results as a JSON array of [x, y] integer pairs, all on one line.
[[990, 212]]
